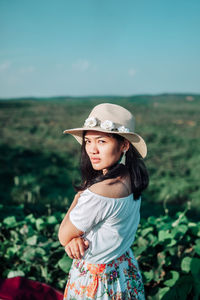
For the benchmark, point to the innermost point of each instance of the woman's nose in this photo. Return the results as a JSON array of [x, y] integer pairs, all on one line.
[[93, 148]]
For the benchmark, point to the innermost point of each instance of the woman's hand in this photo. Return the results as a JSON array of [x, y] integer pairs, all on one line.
[[76, 247]]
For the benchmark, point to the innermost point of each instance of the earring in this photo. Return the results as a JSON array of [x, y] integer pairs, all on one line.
[[123, 159]]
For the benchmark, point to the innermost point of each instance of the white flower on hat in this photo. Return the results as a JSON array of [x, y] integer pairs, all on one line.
[[123, 129], [107, 125], [90, 122]]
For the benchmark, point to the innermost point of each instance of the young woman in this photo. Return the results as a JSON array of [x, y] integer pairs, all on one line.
[[99, 227]]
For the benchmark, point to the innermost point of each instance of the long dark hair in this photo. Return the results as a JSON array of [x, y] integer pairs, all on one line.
[[134, 165]]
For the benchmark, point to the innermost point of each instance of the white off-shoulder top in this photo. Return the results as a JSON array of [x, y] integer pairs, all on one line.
[[109, 224]]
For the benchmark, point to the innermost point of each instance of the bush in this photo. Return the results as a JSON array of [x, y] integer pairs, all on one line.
[[168, 251]]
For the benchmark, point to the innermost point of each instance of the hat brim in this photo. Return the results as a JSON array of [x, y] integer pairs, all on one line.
[[135, 139]]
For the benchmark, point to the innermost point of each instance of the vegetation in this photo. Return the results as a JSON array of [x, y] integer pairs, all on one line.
[[39, 165], [168, 251], [166, 248]]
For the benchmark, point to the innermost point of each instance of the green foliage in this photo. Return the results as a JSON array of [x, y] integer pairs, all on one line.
[[167, 249], [168, 253], [30, 247], [35, 176], [45, 162], [39, 165]]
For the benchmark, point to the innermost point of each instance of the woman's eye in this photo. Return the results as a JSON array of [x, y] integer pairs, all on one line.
[[101, 141]]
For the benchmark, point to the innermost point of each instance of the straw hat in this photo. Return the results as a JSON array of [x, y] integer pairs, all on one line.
[[111, 118]]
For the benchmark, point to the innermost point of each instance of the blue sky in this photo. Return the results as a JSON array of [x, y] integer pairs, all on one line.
[[99, 47]]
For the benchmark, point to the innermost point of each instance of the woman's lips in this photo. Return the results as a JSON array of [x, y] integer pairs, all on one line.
[[95, 160]]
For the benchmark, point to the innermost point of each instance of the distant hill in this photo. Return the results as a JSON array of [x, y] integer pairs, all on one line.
[[147, 97]]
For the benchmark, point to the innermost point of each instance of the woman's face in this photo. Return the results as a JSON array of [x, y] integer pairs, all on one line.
[[103, 150]]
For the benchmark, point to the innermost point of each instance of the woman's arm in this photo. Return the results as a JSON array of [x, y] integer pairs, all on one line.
[[67, 231]]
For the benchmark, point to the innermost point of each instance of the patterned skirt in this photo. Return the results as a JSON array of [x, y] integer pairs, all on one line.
[[118, 280]]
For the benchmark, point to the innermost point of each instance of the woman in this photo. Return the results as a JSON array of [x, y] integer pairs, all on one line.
[[99, 227]]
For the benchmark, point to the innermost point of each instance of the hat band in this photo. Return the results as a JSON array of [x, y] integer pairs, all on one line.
[[105, 125]]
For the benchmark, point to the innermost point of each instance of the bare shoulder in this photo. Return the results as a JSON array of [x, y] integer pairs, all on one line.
[[111, 188]]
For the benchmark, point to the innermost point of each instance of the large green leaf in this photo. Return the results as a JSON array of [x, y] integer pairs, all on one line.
[[162, 292], [11, 251], [30, 218], [40, 252], [153, 239], [32, 240], [145, 231], [181, 289], [10, 222], [164, 235], [40, 224], [174, 277], [15, 273], [28, 254], [52, 220], [185, 264], [55, 244], [65, 263], [148, 276], [181, 229], [197, 246]]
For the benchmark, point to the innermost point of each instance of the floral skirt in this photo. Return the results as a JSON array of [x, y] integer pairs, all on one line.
[[118, 280]]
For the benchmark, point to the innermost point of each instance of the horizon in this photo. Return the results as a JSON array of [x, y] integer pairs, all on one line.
[[99, 96]]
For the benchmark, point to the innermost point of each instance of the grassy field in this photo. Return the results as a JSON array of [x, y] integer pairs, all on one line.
[[40, 163]]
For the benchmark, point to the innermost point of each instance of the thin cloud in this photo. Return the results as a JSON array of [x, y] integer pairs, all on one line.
[[131, 72], [81, 65], [5, 65], [25, 70]]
